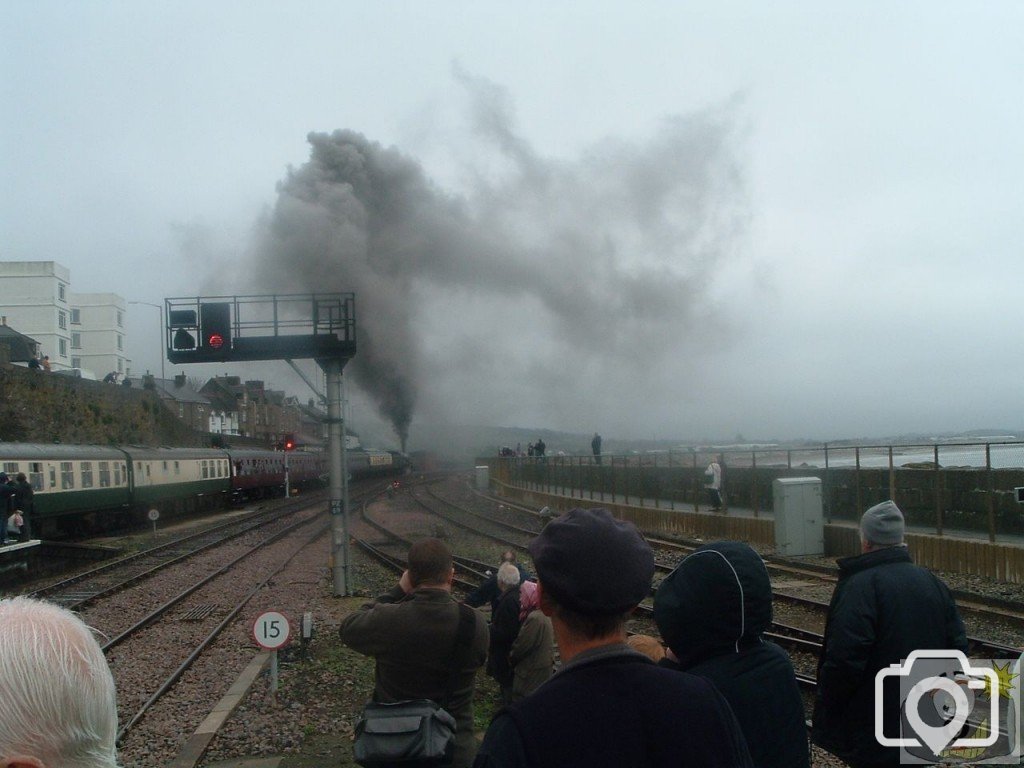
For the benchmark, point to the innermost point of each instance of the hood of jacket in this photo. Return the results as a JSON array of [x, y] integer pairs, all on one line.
[[719, 600]]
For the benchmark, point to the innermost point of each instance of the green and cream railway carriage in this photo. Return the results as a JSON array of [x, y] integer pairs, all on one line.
[[83, 489]]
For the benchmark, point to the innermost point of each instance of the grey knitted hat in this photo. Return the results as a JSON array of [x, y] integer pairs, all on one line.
[[883, 524]]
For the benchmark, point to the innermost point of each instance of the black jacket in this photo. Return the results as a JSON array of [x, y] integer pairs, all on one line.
[[24, 496], [504, 631], [883, 608], [614, 707], [712, 611]]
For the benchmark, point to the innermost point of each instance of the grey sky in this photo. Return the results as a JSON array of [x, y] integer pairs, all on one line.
[[833, 195]]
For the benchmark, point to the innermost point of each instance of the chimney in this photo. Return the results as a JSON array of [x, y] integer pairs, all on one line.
[[179, 381]]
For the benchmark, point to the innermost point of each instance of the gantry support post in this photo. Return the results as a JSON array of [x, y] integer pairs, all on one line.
[[341, 573]]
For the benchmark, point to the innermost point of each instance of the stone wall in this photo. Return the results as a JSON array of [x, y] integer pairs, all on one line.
[[40, 407]]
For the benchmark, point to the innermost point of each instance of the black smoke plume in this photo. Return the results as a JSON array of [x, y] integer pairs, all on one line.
[[615, 246]]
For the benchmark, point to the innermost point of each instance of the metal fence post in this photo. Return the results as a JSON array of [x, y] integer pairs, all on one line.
[[892, 478], [938, 494], [991, 494], [753, 480], [828, 504], [856, 480]]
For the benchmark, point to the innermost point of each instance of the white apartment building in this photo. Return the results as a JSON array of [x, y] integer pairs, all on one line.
[[34, 299], [97, 333], [76, 330]]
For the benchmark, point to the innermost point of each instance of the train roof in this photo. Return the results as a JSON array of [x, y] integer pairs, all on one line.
[[59, 451], [163, 452]]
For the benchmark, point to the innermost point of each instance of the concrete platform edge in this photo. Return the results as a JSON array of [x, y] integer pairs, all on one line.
[[197, 743]]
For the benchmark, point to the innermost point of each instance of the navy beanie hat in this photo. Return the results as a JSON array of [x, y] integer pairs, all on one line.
[[592, 563]]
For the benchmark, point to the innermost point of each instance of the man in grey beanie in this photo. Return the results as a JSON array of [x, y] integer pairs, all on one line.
[[883, 608], [608, 704]]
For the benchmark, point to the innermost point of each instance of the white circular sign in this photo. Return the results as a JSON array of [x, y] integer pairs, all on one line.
[[271, 630], [153, 514]]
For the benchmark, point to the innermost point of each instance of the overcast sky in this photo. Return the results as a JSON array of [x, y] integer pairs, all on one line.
[[671, 220]]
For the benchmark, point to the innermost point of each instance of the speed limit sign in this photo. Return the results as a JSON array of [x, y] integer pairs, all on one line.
[[271, 630]]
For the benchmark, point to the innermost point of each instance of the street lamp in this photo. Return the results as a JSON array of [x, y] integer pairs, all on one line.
[[161, 347]]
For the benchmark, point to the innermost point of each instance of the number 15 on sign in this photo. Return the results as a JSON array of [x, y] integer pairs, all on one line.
[[271, 630]]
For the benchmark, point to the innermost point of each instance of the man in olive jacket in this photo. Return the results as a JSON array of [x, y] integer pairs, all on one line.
[[411, 632], [884, 607]]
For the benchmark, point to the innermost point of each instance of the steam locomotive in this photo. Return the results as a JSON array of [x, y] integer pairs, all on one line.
[[86, 489]]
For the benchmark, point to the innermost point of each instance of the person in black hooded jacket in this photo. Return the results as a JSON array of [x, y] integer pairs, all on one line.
[[884, 607], [711, 612]]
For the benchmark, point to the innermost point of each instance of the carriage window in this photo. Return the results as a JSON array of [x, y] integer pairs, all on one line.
[[177, 468], [206, 469], [87, 474], [53, 476], [119, 470], [67, 475], [11, 468], [149, 469], [104, 473], [35, 475], [165, 467]]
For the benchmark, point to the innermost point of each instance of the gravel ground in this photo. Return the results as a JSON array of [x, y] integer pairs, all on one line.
[[324, 685]]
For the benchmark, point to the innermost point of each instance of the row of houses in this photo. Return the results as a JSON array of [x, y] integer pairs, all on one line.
[[225, 405]]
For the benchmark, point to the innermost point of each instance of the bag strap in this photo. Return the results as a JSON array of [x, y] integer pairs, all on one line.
[[460, 649]]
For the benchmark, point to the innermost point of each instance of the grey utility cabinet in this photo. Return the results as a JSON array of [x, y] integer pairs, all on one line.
[[483, 478], [799, 526]]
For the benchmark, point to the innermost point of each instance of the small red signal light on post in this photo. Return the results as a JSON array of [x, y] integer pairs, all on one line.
[[289, 442], [216, 341]]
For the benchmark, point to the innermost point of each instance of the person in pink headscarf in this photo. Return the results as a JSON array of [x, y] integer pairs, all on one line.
[[533, 653]]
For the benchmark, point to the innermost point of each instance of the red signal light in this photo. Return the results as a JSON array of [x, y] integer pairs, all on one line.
[[216, 341]]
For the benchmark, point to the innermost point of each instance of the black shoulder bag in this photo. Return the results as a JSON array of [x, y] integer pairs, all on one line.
[[419, 732]]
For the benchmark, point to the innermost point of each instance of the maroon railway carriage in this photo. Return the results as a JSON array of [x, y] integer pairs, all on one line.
[[256, 473]]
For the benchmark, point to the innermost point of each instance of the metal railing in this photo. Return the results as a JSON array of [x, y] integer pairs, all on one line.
[[940, 487]]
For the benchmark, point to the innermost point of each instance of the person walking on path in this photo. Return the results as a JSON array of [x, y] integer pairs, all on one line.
[[713, 484], [595, 446]]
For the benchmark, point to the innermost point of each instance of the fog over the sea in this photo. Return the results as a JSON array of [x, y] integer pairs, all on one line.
[[653, 221]]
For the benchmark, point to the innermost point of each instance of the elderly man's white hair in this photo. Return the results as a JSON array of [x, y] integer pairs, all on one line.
[[508, 576], [58, 705]]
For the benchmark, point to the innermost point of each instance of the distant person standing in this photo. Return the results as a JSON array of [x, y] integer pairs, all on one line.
[[539, 448], [713, 484], [24, 499], [7, 492], [34, 364], [595, 446], [46, 363]]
